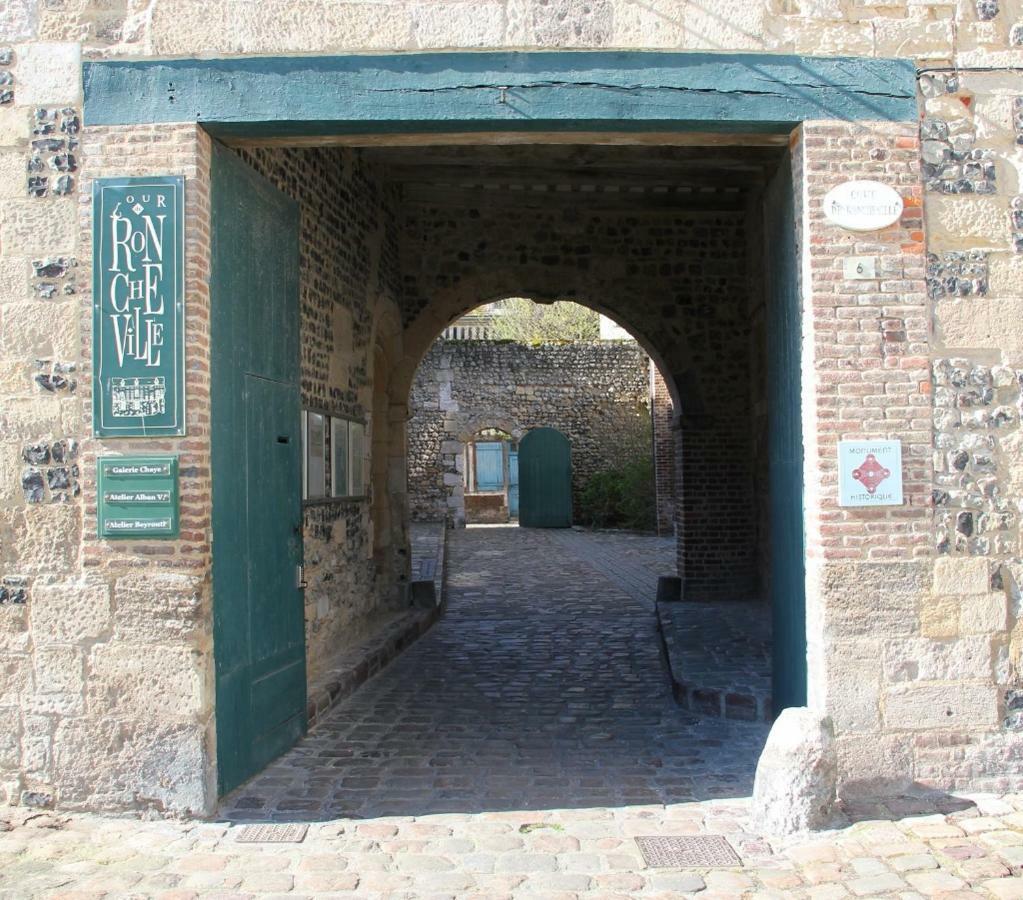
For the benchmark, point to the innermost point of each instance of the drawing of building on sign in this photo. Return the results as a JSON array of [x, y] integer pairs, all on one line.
[[130, 397]]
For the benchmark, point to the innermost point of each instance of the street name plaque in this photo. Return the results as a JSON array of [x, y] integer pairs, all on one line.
[[138, 497], [138, 306]]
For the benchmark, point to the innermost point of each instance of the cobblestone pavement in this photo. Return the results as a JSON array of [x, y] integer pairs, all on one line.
[[514, 751], [632, 562]]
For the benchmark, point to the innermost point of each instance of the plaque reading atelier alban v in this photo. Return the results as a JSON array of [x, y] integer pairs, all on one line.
[[138, 307]]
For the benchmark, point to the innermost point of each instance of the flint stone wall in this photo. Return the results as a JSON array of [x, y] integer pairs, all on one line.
[[596, 394]]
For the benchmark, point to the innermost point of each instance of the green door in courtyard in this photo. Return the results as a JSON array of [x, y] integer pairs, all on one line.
[[258, 617], [545, 480]]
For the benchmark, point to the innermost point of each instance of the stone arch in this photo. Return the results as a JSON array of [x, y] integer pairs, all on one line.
[[545, 285]]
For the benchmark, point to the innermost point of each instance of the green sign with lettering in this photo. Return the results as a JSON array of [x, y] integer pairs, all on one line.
[[138, 496], [138, 306]]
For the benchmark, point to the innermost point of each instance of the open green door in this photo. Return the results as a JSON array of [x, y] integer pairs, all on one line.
[[785, 446], [258, 618], [545, 480]]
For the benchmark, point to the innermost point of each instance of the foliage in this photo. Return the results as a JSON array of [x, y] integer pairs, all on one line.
[[527, 322], [622, 497]]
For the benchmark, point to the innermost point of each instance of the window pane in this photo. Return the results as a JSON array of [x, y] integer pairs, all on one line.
[[339, 457], [356, 458], [315, 461]]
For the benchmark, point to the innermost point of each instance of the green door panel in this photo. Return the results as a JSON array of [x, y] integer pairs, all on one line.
[[545, 480], [787, 586], [258, 614]]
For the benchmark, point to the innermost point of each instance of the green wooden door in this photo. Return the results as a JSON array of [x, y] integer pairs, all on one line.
[[545, 480], [258, 617], [785, 447]]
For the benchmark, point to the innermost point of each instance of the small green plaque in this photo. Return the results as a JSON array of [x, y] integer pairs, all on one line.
[[138, 497], [138, 306]]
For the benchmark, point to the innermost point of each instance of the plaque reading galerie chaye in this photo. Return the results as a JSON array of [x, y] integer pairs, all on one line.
[[138, 303]]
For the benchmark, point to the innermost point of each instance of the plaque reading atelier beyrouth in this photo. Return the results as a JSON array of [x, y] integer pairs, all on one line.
[[138, 496], [138, 304]]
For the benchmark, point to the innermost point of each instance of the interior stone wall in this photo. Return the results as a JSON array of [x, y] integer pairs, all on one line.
[[596, 393], [347, 252], [675, 278]]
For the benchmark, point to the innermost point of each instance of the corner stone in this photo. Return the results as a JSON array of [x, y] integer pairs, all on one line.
[[796, 778]]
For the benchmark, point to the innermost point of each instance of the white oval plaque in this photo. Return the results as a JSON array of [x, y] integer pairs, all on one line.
[[863, 205]]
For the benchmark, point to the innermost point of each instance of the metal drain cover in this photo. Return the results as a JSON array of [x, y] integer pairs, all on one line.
[[272, 833], [690, 851]]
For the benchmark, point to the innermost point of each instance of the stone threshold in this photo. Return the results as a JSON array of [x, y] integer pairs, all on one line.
[[718, 658], [363, 661]]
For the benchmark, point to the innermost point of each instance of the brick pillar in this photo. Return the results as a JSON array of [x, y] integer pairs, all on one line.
[[661, 413], [865, 374]]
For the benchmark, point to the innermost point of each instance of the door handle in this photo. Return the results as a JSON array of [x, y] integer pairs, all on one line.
[[300, 581]]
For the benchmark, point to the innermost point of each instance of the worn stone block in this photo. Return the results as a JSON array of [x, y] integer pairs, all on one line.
[[38, 228], [49, 73], [70, 611], [987, 614], [920, 659], [651, 24], [872, 765], [18, 20], [47, 539], [148, 682], [14, 131], [871, 599], [967, 222], [939, 617], [917, 707], [438, 26], [854, 680], [145, 764], [59, 681], [961, 575], [31, 328], [13, 279], [151, 606], [980, 323], [10, 734]]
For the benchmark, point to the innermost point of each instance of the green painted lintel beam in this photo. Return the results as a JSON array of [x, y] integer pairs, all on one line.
[[447, 92]]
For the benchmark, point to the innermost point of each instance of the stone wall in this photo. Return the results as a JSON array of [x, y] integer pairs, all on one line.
[[106, 673], [677, 279], [347, 251], [596, 394]]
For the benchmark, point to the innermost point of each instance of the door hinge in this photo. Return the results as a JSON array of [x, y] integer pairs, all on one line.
[[300, 581]]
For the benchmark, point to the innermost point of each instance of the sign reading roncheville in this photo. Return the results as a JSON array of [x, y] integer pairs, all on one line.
[[138, 497], [138, 306], [870, 473], [863, 205]]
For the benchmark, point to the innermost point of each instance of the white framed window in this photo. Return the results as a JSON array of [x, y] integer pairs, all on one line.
[[315, 434], [339, 466], [356, 459]]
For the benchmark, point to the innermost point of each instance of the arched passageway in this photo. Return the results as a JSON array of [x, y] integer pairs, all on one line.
[[666, 241]]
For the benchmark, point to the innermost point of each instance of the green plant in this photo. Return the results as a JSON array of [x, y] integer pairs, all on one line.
[[621, 497], [534, 323]]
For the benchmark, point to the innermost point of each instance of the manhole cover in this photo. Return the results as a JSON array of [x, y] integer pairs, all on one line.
[[703, 851], [272, 834]]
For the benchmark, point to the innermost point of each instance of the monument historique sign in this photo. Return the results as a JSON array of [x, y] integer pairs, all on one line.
[[138, 307]]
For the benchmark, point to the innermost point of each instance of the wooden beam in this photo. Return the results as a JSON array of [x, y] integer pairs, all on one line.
[[301, 96]]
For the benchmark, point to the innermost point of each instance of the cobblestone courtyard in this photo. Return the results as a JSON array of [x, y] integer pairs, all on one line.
[[516, 750]]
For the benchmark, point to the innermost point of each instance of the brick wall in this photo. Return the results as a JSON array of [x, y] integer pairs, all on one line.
[[663, 414]]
